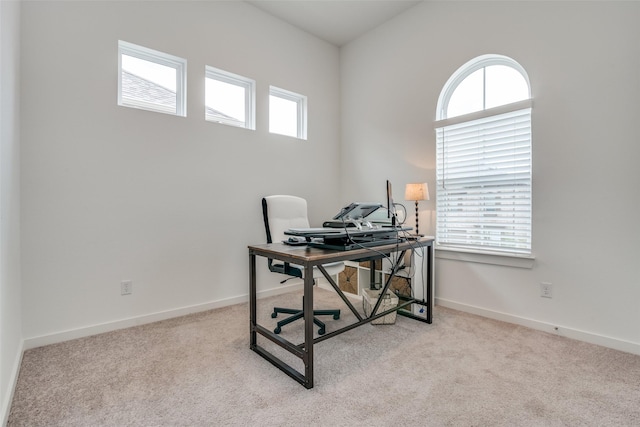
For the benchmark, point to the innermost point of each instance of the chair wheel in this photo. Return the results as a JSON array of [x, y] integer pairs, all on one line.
[[274, 315], [277, 330], [336, 316], [321, 331]]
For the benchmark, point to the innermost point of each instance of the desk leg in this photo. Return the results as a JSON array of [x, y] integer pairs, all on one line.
[[252, 301], [308, 326], [430, 284], [372, 274]]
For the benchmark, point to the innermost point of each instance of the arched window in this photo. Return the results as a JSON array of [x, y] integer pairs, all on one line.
[[483, 159]]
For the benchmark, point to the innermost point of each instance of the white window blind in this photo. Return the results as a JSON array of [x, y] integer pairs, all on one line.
[[483, 177]]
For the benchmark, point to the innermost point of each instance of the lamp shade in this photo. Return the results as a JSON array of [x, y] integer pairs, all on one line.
[[416, 191]]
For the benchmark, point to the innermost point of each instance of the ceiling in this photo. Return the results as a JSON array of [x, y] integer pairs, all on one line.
[[336, 21]]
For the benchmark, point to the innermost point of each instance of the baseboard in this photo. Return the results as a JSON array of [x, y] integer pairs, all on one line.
[[576, 334], [13, 381], [40, 341], [71, 334]]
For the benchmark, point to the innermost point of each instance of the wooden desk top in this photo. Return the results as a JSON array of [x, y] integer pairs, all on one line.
[[315, 256]]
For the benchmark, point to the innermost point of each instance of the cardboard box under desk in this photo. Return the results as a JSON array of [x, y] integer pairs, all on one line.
[[369, 299]]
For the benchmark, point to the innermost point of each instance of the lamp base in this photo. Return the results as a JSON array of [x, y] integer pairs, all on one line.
[[417, 229]]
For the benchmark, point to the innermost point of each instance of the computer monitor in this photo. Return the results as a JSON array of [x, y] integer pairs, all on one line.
[[382, 217], [389, 200]]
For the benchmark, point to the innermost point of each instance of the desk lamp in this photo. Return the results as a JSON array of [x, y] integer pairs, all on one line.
[[417, 192]]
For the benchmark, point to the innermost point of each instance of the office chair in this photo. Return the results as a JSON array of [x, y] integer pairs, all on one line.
[[280, 214]]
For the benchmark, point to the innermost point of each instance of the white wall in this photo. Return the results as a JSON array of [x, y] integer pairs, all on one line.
[[583, 60], [112, 193], [10, 306]]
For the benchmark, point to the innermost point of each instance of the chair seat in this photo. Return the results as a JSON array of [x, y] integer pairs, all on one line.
[[332, 269]]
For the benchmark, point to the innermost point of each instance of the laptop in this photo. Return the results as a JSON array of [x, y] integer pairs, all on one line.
[[352, 215]]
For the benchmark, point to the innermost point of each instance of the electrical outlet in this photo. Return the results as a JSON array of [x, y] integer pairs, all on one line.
[[546, 290], [126, 287]]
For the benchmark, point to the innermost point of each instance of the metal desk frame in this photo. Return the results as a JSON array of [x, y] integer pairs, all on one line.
[[314, 257]]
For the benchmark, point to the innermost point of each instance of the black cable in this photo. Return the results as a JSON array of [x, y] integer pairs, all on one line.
[[384, 255], [399, 233], [404, 216], [419, 251]]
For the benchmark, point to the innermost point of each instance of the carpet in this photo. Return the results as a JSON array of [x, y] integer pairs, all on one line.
[[198, 370]]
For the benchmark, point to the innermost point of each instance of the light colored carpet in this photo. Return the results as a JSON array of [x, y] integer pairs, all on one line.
[[197, 370]]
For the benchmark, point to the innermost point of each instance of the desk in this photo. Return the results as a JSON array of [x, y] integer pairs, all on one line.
[[308, 258]]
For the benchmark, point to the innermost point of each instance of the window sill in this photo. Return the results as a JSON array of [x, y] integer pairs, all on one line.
[[507, 260]]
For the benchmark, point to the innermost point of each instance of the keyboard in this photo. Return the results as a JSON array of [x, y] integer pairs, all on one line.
[[323, 230]]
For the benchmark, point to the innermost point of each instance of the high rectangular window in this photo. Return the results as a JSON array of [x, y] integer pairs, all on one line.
[[151, 80], [229, 98], [287, 113]]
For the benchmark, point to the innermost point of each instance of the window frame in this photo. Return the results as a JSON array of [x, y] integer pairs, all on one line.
[[476, 252], [161, 58], [301, 110], [466, 70], [249, 86]]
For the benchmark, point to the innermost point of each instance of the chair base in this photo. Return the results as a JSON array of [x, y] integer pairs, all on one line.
[[299, 314]]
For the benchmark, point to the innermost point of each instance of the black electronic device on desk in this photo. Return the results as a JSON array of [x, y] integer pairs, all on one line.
[[352, 216], [351, 238]]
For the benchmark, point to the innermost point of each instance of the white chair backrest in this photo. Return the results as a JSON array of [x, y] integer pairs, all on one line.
[[285, 212]]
